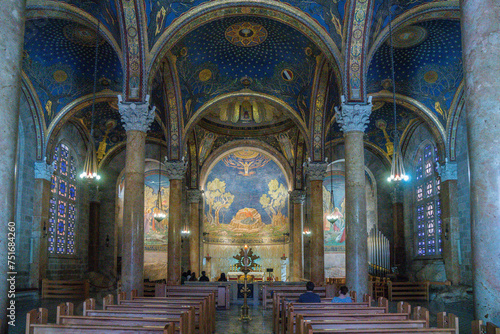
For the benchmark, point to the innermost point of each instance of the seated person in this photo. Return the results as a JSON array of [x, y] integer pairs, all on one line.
[[343, 297], [222, 278], [203, 277], [309, 296]]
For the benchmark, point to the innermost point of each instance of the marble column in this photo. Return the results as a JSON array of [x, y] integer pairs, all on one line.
[[11, 48], [398, 224], [94, 222], [194, 198], [353, 119], [136, 118], [38, 269], [297, 198], [481, 47], [316, 173], [450, 228], [175, 171]]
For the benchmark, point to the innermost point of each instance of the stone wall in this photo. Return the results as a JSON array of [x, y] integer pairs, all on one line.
[[463, 201]]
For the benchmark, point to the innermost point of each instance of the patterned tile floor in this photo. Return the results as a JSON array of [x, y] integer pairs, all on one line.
[[227, 320]]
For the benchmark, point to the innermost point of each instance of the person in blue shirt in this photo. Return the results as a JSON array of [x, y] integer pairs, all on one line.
[[309, 296], [343, 297]]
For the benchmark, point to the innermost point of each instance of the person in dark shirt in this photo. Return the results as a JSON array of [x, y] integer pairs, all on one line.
[[183, 277], [222, 278], [203, 277], [309, 296], [193, 277]]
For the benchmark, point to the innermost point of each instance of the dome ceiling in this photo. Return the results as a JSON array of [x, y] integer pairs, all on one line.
[[235, 53], [59, 60], [428, 65]]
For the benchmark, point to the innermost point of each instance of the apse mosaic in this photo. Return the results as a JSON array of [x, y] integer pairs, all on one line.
[[246, 200], [60, 63], [428, 65], [281, 64], [334, 232], [155, 233], [105, 11]]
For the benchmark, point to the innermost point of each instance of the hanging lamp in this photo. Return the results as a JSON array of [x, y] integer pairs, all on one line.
[[159, 214], [334, 214], [90, 165], [397, 166]]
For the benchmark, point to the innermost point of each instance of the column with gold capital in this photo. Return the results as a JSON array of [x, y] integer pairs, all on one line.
[[316, 173], [353, 119], [297, 198], [175, 170], [136, 119], [194, 198]]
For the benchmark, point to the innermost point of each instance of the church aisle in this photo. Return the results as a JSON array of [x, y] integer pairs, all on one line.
[[227, 321]]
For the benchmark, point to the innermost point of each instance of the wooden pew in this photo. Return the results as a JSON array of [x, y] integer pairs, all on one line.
[[36, 323], [65, 289], [90, 311], [292, 309], [65, 316], [446, 324], [200, 313], [207, 301], [408, 290], [293, 291], [365, 324], [221, 291], [479, 328]]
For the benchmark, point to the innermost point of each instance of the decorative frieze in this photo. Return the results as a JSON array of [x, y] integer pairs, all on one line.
[[43, 170], [175, 169], [194, 195], [297, 196], [447, 171], [136, 116], [316, 171], [353, 117]]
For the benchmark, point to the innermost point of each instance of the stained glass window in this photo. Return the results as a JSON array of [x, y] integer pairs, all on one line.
[[62, 205], [428, 206]]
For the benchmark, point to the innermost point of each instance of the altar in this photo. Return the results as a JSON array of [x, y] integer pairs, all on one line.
[[256, 275]]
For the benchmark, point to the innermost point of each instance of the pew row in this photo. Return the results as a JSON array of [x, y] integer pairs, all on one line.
[[293, 291], [479, 328], [36, 323], [222, 295], [65, 289]]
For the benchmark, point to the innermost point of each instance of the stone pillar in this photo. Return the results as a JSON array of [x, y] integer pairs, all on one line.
[[297, 198], [316, 173], [137, 119], [398, 247], [38, 268], [353, 119], [450, 228], [480, 36], [11, 46], [94, 222], [175, 171], [194, 198]]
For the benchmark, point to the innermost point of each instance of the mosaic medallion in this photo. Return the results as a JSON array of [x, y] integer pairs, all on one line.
[[408, 36], [81, 35], [246, 34]]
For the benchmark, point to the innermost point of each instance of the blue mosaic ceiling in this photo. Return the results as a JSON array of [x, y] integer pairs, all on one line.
[[429, 72], [59, 61], [108, 128], [281, 64], [161, 13], [105, 11]]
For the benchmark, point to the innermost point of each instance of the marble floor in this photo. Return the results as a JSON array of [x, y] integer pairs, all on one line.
[[227, 321]]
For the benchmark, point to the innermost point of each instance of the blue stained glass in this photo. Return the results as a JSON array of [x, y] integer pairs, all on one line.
[[72, 192], [60, 227], [64, 167], [62, 188], [62, 208]]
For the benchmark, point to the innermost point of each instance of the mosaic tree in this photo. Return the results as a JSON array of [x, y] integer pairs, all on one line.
[[217, 199], [275, 202]]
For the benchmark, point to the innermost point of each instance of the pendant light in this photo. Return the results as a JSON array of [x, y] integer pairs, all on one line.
[[90, 165], [334, 214], [397, 167], [159, 214]]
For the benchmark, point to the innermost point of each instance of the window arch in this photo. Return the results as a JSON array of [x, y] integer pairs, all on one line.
[[63, 200], [427, 202]]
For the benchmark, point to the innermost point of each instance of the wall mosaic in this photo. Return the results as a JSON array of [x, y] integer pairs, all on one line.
[[246, 200]]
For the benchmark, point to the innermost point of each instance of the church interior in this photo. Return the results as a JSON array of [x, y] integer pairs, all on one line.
[[349, 141]]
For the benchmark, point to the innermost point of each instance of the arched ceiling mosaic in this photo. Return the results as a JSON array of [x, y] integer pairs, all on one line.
[[59, 61], [108, 128], [245, 52], [428, 65], [105, 11], [161, 13]]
